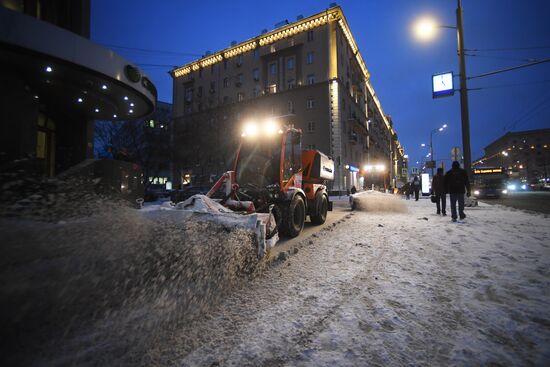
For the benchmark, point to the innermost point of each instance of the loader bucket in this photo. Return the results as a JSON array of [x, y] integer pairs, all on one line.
[[203, 208]]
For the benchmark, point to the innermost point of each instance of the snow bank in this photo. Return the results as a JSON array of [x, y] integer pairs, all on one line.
[[111, 278], [374, 201]]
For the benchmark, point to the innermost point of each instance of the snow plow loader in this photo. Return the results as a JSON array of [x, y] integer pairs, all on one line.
[[276, 181]]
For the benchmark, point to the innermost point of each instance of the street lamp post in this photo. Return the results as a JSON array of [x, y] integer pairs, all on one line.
[[425, 29], [432, 146]]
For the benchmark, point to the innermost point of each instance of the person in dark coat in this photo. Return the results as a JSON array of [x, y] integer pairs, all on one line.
[[415, 187], [438, 190], [456, 184]]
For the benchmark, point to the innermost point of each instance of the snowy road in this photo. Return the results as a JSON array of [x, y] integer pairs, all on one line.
[[388, 289]]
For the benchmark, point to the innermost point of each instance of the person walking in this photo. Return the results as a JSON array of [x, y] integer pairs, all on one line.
[[438, 190], [415, 186], [456, 184]]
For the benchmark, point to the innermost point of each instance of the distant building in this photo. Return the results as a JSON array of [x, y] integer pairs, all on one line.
[[524, 154], [55, 82], [309, 73]]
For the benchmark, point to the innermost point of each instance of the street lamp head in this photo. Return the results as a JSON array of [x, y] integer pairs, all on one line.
[[425, 29], [422, 145], [440, 129], [444, 126]]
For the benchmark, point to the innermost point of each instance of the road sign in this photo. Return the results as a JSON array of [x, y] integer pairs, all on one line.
[[430, 164], [455, 154]]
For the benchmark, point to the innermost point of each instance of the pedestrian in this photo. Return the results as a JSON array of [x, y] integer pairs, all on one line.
[[438, 190], [415, 187], [353, 190], [456, 184]]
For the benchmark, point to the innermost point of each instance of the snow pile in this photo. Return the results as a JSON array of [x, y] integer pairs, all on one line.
[[374, 201], [202, 204], [112, 279]]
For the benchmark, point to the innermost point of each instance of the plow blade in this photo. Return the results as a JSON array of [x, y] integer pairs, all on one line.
[[202, 208]]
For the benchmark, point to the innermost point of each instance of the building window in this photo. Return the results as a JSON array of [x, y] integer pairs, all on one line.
[[240, 60], [212, 69], [273, 68], [199, 92], [310, 57], [212, 87], [290, 106], [310, 36], [272, 48], [200, 73], [239, 80], [290, 63], [310, 127], [310, 103], [256, 74], [189, 95], [240, 97], [225, 82], [256, 91], [256, 54], [272, 88], [291, 83], [311, 146], [311, 79], [224, 64]]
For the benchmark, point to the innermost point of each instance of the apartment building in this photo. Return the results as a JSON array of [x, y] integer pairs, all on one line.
[[308, 73], [524, 154]]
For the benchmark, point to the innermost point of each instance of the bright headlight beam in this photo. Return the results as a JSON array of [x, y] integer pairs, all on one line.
[[270, 127], [250, 129]]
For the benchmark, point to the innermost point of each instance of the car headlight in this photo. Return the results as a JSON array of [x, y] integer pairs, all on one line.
[[505, 191], [511, 187], [524, 187], [476, 192]]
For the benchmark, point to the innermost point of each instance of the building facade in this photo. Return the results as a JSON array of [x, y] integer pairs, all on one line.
[[308, 73], [55, 83], [524, 154]]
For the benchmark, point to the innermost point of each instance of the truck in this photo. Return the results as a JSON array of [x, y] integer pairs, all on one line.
[[273, 174], [489, 182]]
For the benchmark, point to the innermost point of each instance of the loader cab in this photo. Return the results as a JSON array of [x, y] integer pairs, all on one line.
[[291, 159]]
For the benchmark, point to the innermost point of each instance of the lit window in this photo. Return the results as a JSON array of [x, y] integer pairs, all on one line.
[[240, 97], [273, 68], [310, 57], [291, 84], [311, 79], [290, 63], [151, 123], [272, 88], [272, 48], [310, 104]]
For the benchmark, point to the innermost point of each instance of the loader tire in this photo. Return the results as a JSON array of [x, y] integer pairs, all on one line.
[[294, 217], [321, 209]]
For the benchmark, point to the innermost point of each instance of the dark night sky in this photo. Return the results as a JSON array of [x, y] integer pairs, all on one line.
[[400, 66]]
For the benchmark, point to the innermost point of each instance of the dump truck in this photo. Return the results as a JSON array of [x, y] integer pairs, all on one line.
[[273, 175]]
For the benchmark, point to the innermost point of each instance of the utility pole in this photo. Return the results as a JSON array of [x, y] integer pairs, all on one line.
[[464, 111]]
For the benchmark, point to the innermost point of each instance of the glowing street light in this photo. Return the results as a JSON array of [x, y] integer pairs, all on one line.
[[425, 29]]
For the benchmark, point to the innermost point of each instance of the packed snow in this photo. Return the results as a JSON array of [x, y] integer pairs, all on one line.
[[390, 284]]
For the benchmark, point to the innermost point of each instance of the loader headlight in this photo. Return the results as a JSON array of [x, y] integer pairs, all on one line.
[[476, 192], [250, 129], [511, 187], [504, 191], [270, 127]]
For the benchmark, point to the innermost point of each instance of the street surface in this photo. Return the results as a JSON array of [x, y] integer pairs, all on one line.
[[393, 284], [538, 201], [388, 289]]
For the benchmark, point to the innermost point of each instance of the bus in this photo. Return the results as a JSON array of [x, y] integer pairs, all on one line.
[[489, 182]]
